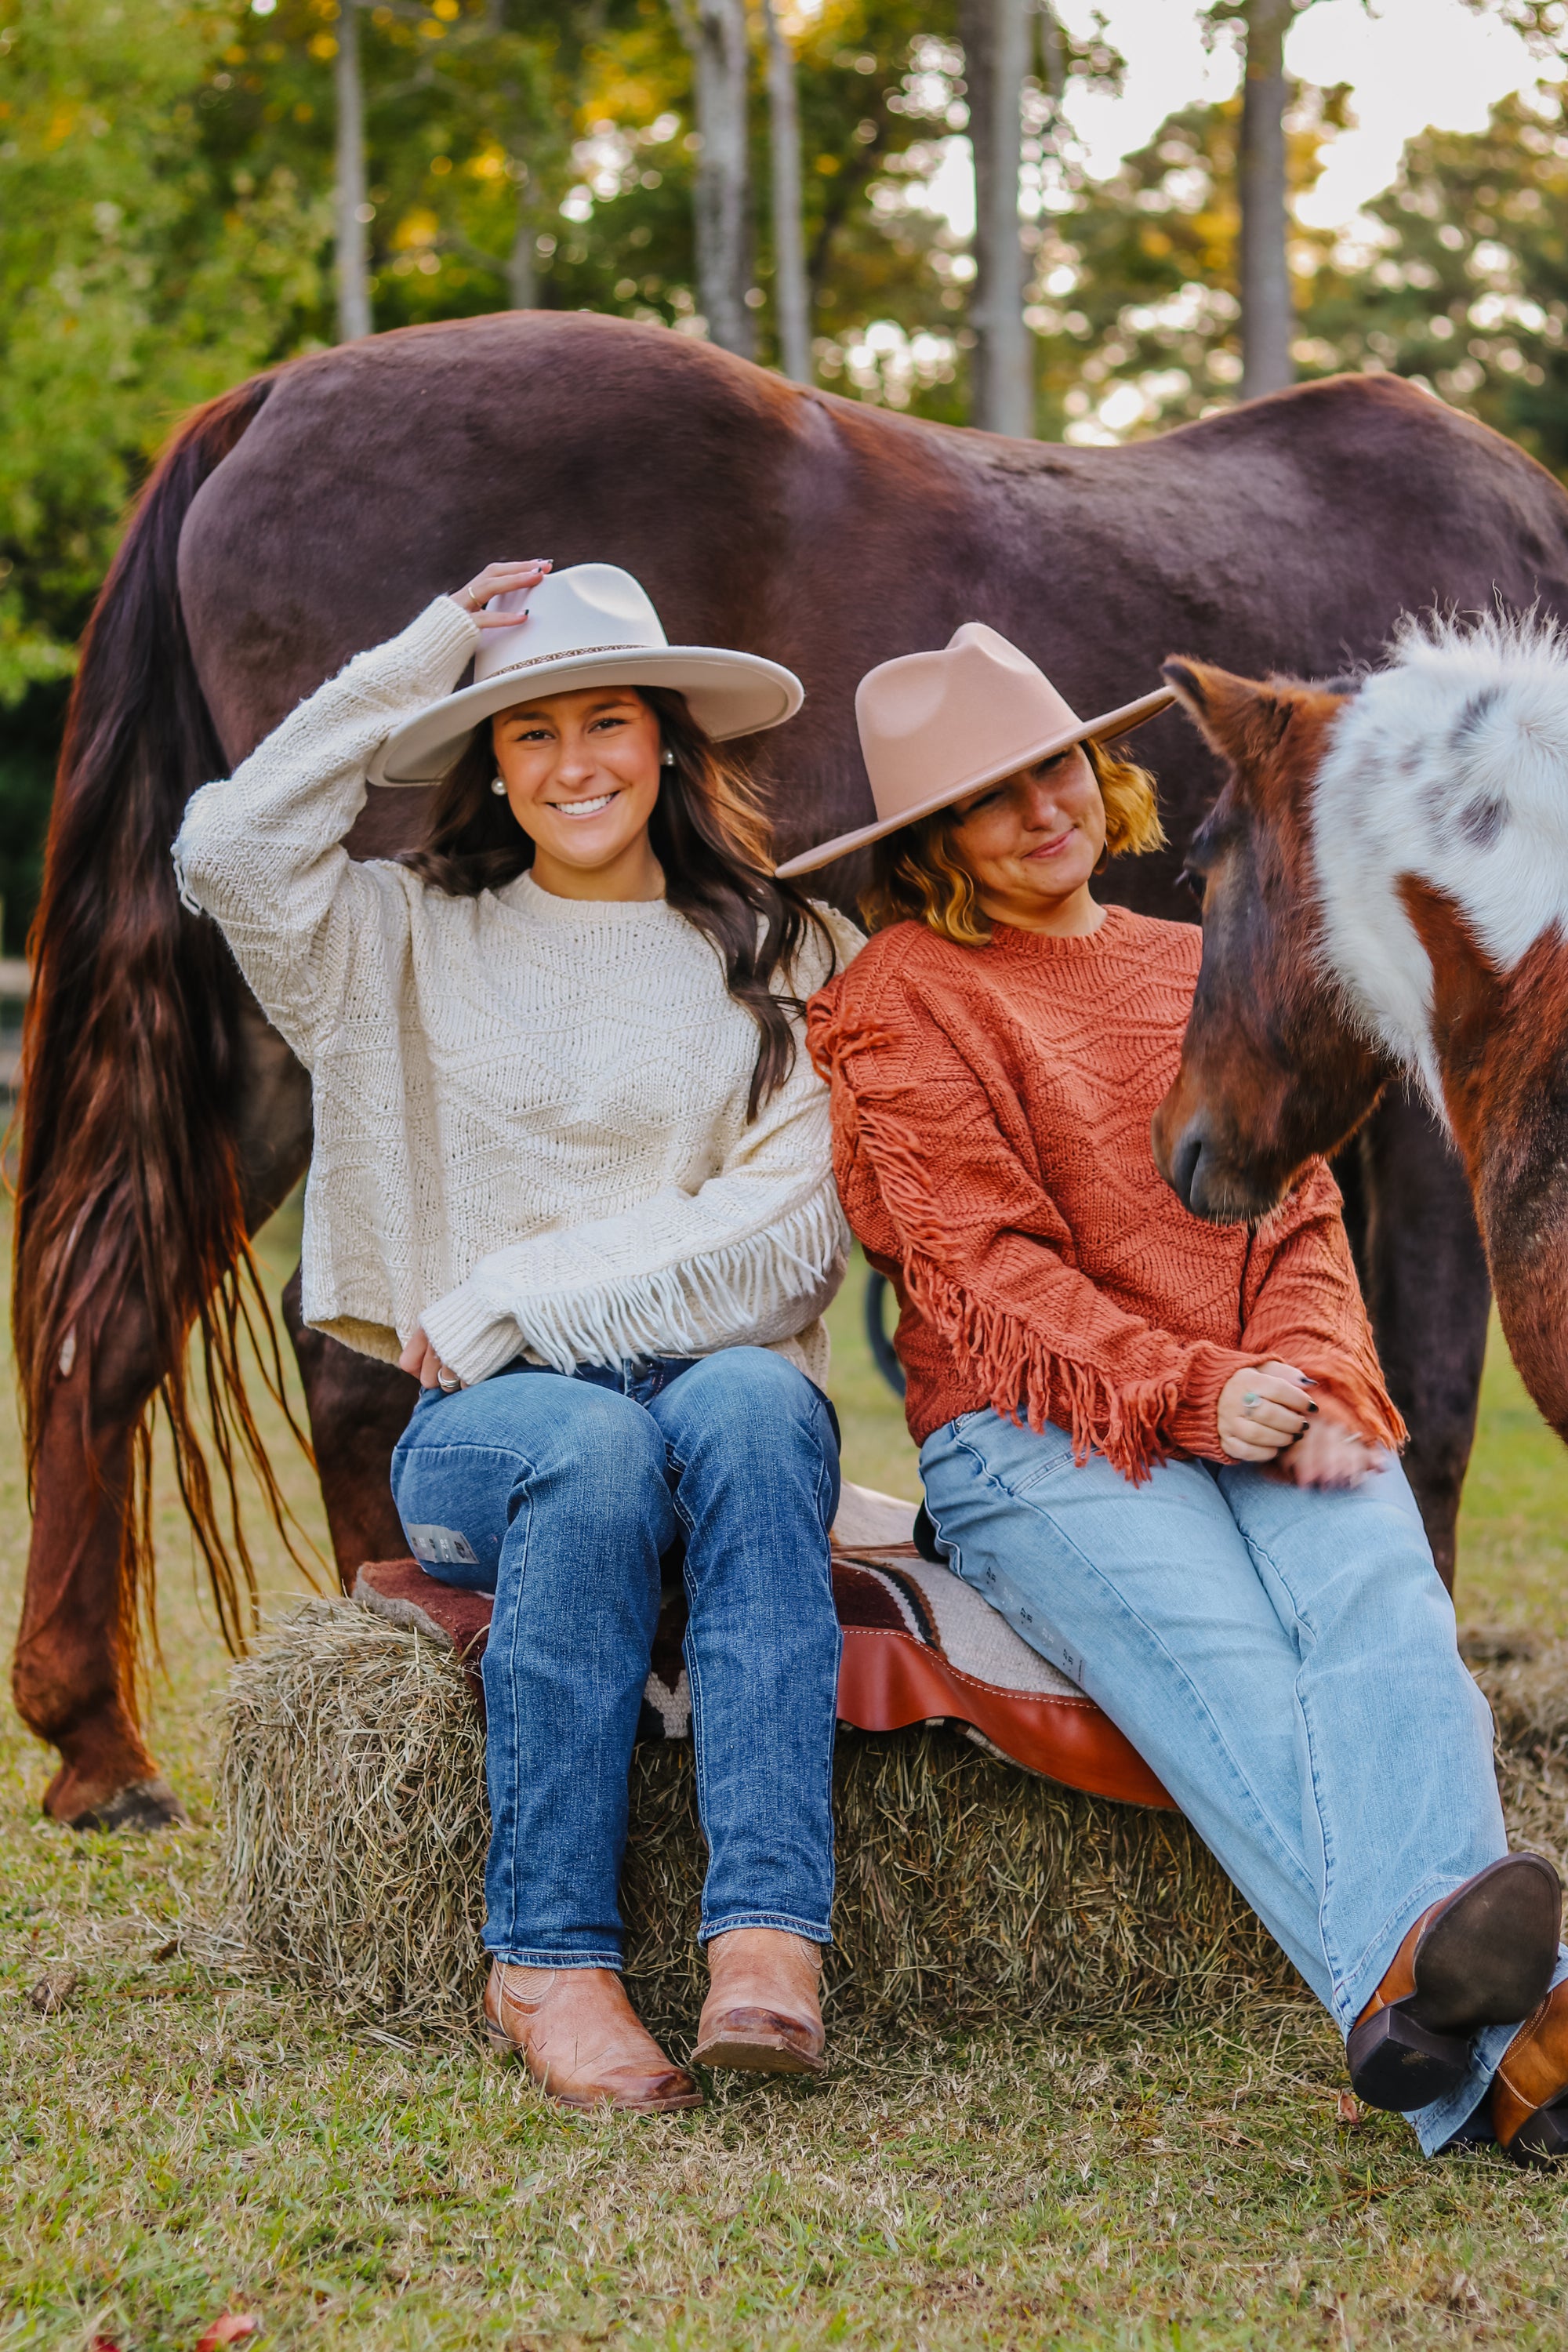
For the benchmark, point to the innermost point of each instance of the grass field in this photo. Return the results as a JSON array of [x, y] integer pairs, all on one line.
[[183, 2141]]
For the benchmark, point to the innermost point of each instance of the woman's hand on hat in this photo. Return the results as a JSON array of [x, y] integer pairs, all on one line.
[[499, 580], [1262, 1409], [420, 1359]]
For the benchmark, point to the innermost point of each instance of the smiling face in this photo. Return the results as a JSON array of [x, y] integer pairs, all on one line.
[[582, 776], [1031, 842]]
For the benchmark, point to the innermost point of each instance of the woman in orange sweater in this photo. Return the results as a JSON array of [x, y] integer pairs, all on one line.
[[1163, 1449]]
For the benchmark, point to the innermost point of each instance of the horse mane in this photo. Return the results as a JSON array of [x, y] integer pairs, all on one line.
[[128, 1192], [1449, 767]]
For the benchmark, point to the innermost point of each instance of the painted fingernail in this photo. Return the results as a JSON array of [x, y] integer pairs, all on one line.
[[1307, 1381], [1311, 1408]]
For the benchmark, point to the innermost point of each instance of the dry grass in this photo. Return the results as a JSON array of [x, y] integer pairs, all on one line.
[[185, 2135], [355, 1822]]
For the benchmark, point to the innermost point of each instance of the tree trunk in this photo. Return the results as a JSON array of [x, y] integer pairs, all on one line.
[[714, 31], [995, 34], [792, 307], [1266, 317], [521, 270], [353, 242]]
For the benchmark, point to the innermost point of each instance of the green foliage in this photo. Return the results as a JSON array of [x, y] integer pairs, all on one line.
[[1468, 286], [132, 283], [166, 229]]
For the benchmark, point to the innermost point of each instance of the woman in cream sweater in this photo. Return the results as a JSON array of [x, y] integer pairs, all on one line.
[[571, 1168]]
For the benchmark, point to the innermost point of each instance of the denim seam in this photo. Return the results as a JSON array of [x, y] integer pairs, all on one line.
[[525, 1956], [694, 1684], [825, 1465], [815, 1931], [1203, 1714], [530, 1471], [1338, 1977], [830, 1741], [1342, 1974]]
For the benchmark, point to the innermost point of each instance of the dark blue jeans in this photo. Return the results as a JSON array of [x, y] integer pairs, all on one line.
[[562, 1496]]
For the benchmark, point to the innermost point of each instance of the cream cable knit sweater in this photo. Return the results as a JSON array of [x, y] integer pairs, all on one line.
[[530, 1112]]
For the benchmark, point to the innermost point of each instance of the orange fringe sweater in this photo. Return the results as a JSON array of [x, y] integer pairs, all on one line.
[[991, 1111]]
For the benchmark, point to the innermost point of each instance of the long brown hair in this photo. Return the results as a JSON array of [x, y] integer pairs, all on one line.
[[916, 871], [711, 836]]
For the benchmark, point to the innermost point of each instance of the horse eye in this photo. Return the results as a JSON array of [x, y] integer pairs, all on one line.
[[1189, 879]]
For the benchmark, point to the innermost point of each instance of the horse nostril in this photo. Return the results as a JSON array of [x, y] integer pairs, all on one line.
[[1184, 1167]]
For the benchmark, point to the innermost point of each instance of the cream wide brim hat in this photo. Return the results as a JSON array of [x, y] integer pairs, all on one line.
[[591, 626], [936, 727]]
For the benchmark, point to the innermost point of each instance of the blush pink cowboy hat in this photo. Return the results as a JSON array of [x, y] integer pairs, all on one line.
[[935, 726], [591, 626]]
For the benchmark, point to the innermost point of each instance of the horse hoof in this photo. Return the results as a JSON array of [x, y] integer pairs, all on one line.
[[144, 1805]]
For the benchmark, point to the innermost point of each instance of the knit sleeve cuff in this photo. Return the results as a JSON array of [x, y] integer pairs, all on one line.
[[425, 659], [469, 1336], [1194, 1427]]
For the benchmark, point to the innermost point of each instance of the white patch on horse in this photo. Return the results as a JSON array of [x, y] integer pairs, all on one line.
[[1450, 765]]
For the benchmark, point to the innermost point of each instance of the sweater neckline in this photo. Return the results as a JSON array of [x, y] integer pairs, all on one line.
[[1045, 947], [525, 896]]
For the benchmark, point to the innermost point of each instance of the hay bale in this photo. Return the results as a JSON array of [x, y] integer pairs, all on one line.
[[351, 1790]]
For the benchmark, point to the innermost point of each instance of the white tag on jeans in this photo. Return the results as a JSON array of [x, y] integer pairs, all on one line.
[[441, 1547]]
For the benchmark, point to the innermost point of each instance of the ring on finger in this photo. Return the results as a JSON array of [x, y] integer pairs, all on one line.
[[1249, 1397], [446, 1380]]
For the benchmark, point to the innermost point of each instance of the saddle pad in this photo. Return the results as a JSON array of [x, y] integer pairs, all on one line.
[[919, 1646]]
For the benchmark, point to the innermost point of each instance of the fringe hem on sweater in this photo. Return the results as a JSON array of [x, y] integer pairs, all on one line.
[[1020, 1373], [741, 1291]]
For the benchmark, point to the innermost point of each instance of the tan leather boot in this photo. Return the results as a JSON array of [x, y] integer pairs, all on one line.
[[763, 2013], [1529, 2090], [1482, 1956], [582, 2040]]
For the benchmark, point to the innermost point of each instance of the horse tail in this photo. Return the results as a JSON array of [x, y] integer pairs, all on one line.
[[130, 1198]]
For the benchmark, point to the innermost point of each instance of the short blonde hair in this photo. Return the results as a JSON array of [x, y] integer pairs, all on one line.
[[915, 873]]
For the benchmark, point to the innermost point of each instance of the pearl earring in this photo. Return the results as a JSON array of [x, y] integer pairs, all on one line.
[[667, 759], [498, 786]]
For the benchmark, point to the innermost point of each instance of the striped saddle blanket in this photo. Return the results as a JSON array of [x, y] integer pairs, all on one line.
[[919, 1646]]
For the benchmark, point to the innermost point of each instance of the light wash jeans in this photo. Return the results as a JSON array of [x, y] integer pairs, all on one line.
[[1285, 1660], [561, 1495]]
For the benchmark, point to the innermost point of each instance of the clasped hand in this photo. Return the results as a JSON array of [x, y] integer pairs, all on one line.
[[420, 1359], [1267, 1415]]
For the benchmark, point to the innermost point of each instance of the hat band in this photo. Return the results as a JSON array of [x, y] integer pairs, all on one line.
[[572, 653]]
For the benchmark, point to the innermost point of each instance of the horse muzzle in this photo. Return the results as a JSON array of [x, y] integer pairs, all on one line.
[[1203, 1177]]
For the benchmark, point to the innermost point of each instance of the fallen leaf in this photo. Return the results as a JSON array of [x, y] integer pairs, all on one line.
[[53, 1990], [1347, 2108], [232, 2328], [166, 1951]]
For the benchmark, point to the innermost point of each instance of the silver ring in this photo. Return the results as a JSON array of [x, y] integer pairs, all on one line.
[[446, 1381]]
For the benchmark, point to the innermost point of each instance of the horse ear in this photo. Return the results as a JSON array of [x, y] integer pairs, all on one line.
[[1242, 717]]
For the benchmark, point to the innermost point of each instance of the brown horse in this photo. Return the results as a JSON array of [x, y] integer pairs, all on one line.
[[1384, 887], [311, 513]]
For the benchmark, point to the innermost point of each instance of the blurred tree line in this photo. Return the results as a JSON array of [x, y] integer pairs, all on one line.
[[178, 208]]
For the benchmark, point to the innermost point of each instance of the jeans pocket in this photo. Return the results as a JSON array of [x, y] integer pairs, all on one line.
[[1049, 1456]]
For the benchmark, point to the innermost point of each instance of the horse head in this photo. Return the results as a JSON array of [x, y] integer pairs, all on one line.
[[1273, 1071]]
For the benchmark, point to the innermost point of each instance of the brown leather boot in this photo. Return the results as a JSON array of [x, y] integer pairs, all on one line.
[[582, 2040], [1482, 1956], [1530, 2090], [762, 2012]]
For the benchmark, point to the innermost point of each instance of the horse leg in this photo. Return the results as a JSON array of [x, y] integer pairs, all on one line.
[[74, 1672], [1428, 1295], [359, 1409]]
